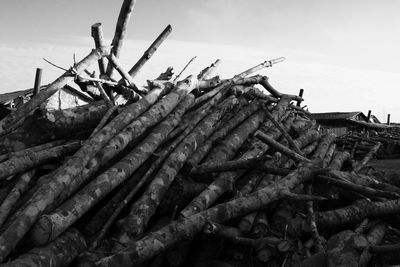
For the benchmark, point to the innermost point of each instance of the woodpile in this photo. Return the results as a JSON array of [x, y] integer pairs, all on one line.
[[197, 171]]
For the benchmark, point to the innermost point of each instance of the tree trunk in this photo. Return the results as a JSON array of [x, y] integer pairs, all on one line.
[[61, 252], [21, 164], [357, 212], [150, 51], [65, 174], [50, 226], [367, 157], [239, 117], [48, 125], [20, 187], [158, 241], [144, 208], [225, 180], [120, 30]]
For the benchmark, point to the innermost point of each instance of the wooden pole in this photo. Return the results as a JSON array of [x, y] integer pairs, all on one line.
[[369, 115], [150, 51], [120, 30], [97, 34], [301, 96], [38, 79], [388, 119]]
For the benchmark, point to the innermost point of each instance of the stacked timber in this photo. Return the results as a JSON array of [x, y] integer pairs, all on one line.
[[198, 171]]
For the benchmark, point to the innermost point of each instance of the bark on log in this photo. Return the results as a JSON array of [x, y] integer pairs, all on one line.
[[22, 112], [145, 207], [367, 157], [357, 212], [160, 240], [239, 117], [281, 148], [96, 222], [60, 252], [50, 226], [148, 119], [150, 51], [338, 159], [97, 34], [20, 187], [328, 156], [49, 193], [120, 30], [206, 73], [227, 148], [347, 248], [47, 125], [224, 181], [167, 75], [246, 223], [21, 164]]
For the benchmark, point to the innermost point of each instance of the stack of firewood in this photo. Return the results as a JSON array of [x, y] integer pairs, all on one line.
[[197, 171]]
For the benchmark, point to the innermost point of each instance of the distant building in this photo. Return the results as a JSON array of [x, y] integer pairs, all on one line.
[[342, 122]]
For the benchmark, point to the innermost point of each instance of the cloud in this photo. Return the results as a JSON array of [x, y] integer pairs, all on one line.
[[327, 87]]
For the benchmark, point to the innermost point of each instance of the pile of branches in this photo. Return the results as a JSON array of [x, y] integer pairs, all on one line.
[[360, 143], [196, 171]]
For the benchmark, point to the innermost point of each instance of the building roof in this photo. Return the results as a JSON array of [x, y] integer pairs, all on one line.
[[7, 97], [354, 115]]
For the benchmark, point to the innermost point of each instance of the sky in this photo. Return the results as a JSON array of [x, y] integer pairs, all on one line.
[[344, 53]]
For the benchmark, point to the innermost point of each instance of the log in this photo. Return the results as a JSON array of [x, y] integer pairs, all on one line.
[[167, 75], [367, 158], [97, 34], [20, 187], [158, 241], [120, 31], [239, 117], [281, 148], [346, 248], [206, 73], [22, 112], [150, 51], [135, 129], [338, 159], [225, 180], [48, 125], [226, 148], [328, 156], [22, 164], [357, 212], [125, 76], [48, 194], [145, 207], [60, 252], [50, 226]]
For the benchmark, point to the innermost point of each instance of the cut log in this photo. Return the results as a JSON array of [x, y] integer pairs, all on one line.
[[49, 193], [150, 51], [239, 117], [225, 180], [60, 252], [144, 208], [47, 125], [21, 164], [120, 31], [158, 241], [50, 226], [97, 34], [20, 187], [367, 158], [22, 112]]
